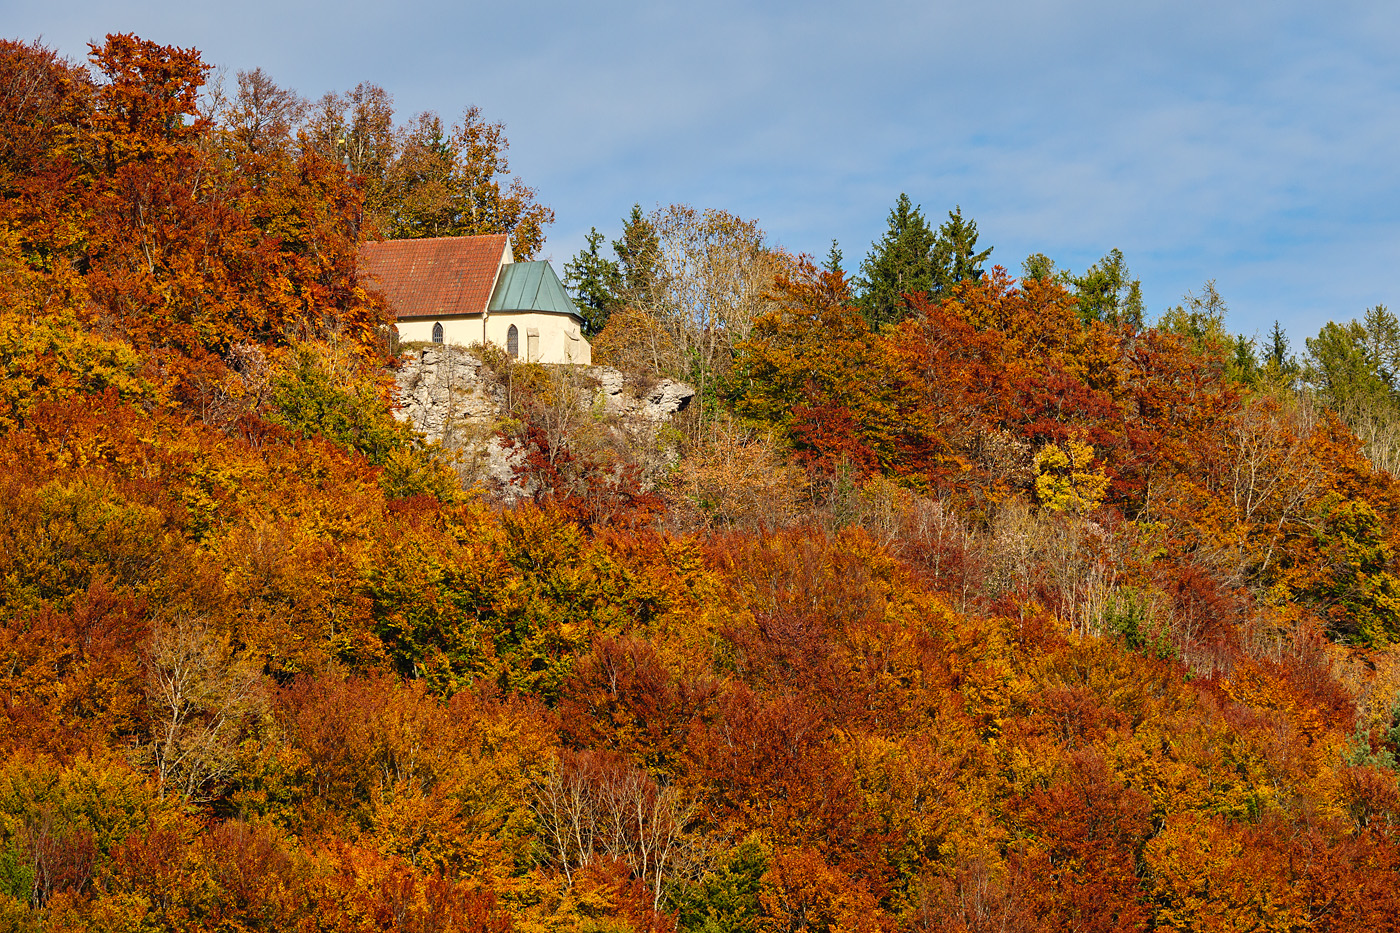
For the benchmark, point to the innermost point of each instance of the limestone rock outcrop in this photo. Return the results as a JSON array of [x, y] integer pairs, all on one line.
[[442, 389], [451, 396]]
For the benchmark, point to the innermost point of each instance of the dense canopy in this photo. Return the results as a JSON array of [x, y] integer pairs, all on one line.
[[971, 603]]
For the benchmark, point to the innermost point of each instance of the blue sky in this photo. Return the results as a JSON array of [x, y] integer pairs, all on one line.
[[1253, 143]]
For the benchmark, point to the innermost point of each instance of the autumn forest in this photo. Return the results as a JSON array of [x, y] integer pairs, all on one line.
[[963, 597]]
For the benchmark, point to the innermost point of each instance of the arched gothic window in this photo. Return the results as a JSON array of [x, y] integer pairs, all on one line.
[[437, 333], [513, 341]]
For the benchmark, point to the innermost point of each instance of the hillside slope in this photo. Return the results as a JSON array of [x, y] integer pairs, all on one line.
[[992, 618]]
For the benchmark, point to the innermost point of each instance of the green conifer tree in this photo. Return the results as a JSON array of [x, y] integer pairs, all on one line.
[[1277, 353], [954, 254], [833, 260], [898, 265], [639, 260], [1243, 364], [1109, 293], [595, 283], [1038, 266]]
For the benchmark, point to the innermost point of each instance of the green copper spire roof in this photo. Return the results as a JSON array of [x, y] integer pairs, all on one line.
[[531, 286]]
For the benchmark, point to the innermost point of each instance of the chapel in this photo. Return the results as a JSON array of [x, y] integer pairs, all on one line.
[[469, 289]]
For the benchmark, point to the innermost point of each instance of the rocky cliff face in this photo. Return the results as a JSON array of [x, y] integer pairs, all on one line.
[[453, 397], [444, 390]]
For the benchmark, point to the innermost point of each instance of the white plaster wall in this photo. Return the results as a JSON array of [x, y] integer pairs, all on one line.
[[555, 330], [463, 331], [561, 341]]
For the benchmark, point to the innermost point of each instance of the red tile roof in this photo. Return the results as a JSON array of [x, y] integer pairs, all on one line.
[[434, 277]]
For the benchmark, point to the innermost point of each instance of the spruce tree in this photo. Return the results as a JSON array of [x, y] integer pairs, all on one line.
[[1383, 343], [954, 255], [898, 265], [1038, 267], [1108, 293], [1278, 352], [833, 260], [595, 283], [639, 260], [1243, 365]]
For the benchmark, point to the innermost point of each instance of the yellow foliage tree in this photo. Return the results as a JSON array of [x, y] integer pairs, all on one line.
[[1064, 481]]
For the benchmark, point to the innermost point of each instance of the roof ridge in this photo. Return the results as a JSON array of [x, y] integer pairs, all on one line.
[[438, 239]]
